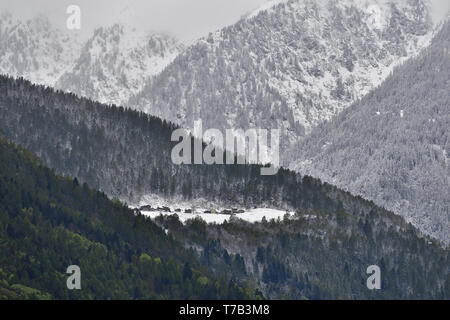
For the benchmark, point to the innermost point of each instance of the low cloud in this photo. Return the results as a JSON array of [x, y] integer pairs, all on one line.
[[186, 19]]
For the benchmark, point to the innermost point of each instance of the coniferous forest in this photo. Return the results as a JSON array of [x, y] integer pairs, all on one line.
[[48, 223], [322, 253]]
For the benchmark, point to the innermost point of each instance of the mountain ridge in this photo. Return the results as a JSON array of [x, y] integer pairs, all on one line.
[[290, 67], [392, 146], [110, 66]]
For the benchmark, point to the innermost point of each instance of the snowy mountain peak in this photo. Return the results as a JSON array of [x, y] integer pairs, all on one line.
[[265, 7], [378, 11], [111, 65], [290, 66], [34, 49], [116, 61], [392, 146]]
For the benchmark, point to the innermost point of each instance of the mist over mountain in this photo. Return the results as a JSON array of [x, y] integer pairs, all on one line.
[[116, 62], [111, 66], [393, 146], [35, 50]]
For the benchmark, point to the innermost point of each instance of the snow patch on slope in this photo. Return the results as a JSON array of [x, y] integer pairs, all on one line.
[[199, 206], [252, 215]]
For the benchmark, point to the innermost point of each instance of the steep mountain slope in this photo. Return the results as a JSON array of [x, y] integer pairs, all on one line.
[[48, 223], [393, 147], [116, 62], [289, 67], [127, 154], [34, 50], [321, 255]]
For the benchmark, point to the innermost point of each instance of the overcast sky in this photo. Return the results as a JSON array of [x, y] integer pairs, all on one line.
[[186, 19]]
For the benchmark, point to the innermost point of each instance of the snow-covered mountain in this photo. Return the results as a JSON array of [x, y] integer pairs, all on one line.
[[33, 49], [290, 66], [393, 146], [109, 67], [116, 62]]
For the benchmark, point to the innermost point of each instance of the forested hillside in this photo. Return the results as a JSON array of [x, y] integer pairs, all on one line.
[[322, 255], [48, 223], [127, 154], [393, 146]]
